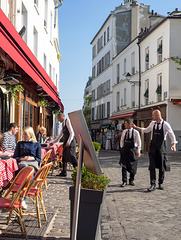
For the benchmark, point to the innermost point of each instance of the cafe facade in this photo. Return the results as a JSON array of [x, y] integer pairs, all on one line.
[[28, 95]]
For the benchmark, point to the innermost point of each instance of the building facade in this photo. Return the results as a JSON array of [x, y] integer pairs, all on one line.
[[29, 53], [141, 74]]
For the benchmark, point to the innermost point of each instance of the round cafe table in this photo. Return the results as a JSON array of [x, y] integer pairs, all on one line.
[[54, 148], [7, 169]]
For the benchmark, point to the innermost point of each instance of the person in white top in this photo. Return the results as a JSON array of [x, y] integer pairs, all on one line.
[[69, 143], [157, 153], [130, 145]]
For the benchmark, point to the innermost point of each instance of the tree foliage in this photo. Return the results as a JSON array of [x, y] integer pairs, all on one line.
[[87, 110], [177, 60]]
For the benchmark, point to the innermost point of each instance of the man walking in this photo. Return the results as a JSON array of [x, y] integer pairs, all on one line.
[[69, 143], [130, 145], [157, 153]]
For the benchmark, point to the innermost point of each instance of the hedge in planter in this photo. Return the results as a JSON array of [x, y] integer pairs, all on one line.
[[93, 190]]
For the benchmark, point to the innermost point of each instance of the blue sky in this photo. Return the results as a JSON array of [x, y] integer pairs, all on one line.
[[79, 21]]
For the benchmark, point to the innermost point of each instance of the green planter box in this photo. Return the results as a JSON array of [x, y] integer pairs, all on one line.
[[90, 209]]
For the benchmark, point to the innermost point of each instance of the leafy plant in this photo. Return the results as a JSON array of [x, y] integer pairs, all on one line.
[[90, 180], [56, 112], [177, 60], [159, 89], [43, 102], [14, 89], [147, 57], [97, 146], [146, 94], [159, 50]]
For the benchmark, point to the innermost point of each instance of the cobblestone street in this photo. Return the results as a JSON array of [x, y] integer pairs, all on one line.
[[129, 213]]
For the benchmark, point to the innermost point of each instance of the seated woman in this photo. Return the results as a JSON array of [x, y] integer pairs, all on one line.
[[41, 136], [28, 151]]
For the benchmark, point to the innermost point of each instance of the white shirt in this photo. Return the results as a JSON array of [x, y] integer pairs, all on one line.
[[71, 131], [166, 130], [136, 137]]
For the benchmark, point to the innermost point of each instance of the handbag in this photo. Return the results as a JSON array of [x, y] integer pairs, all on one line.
[[166, 163]]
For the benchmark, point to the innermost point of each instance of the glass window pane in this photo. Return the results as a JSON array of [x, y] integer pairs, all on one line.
[[26, 113]]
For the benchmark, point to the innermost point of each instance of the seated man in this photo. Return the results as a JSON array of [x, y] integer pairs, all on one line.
[[9, 138]]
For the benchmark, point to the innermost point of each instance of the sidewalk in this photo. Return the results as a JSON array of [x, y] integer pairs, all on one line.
[[129, 213]]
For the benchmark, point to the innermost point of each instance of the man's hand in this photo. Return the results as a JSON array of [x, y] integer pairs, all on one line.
[[138, 154], [67, 144], [133, 125], [173, 147]]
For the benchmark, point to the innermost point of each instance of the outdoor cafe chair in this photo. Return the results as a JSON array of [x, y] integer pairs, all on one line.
[[44, 161], [35, 191], [58, 158], [45, 158], [12, 202]]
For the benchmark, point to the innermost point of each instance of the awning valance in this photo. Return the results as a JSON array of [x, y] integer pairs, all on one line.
[[123, 115], [12, 43]]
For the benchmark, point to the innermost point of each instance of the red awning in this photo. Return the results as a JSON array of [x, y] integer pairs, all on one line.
[[12, 43], [176, 101], [124, 115]]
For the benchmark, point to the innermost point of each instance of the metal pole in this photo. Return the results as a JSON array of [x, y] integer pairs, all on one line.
[[77, 192], [139, 99]]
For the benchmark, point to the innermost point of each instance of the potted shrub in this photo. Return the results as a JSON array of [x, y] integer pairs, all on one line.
[[159, 89], [147, 57], [93, 191], [159, 50], [146, 94], [97, 147]]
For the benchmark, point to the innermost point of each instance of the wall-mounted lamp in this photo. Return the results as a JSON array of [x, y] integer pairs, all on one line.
[[10, 80], [128, 78], [2, 68], [39, 88]]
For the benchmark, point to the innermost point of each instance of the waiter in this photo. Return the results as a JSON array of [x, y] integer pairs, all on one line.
[[157, 153], [69, 143], [130, 145]]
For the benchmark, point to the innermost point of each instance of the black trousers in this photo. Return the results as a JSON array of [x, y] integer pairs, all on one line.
[[124, 175], [153, 176], [156, 162], [74, 163]]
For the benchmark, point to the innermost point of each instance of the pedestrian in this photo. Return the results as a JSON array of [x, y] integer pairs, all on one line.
[[157, 152], [130, 145], [69, 143], [9, 138]]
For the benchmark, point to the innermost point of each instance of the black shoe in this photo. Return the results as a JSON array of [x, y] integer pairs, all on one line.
[[152, 188], [62, 174], [131, 183], [160, 187], [123, 184]]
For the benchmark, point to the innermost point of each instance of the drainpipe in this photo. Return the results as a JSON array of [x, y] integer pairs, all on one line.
[[139, 90]]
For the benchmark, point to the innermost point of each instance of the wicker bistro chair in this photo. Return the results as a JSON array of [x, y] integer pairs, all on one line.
[[13, 204], [35, 191], [45, 159], [58, 158]]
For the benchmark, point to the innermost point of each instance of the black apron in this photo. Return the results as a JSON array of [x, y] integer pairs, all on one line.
[[128, 153], [157, 154], [68, 152]]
